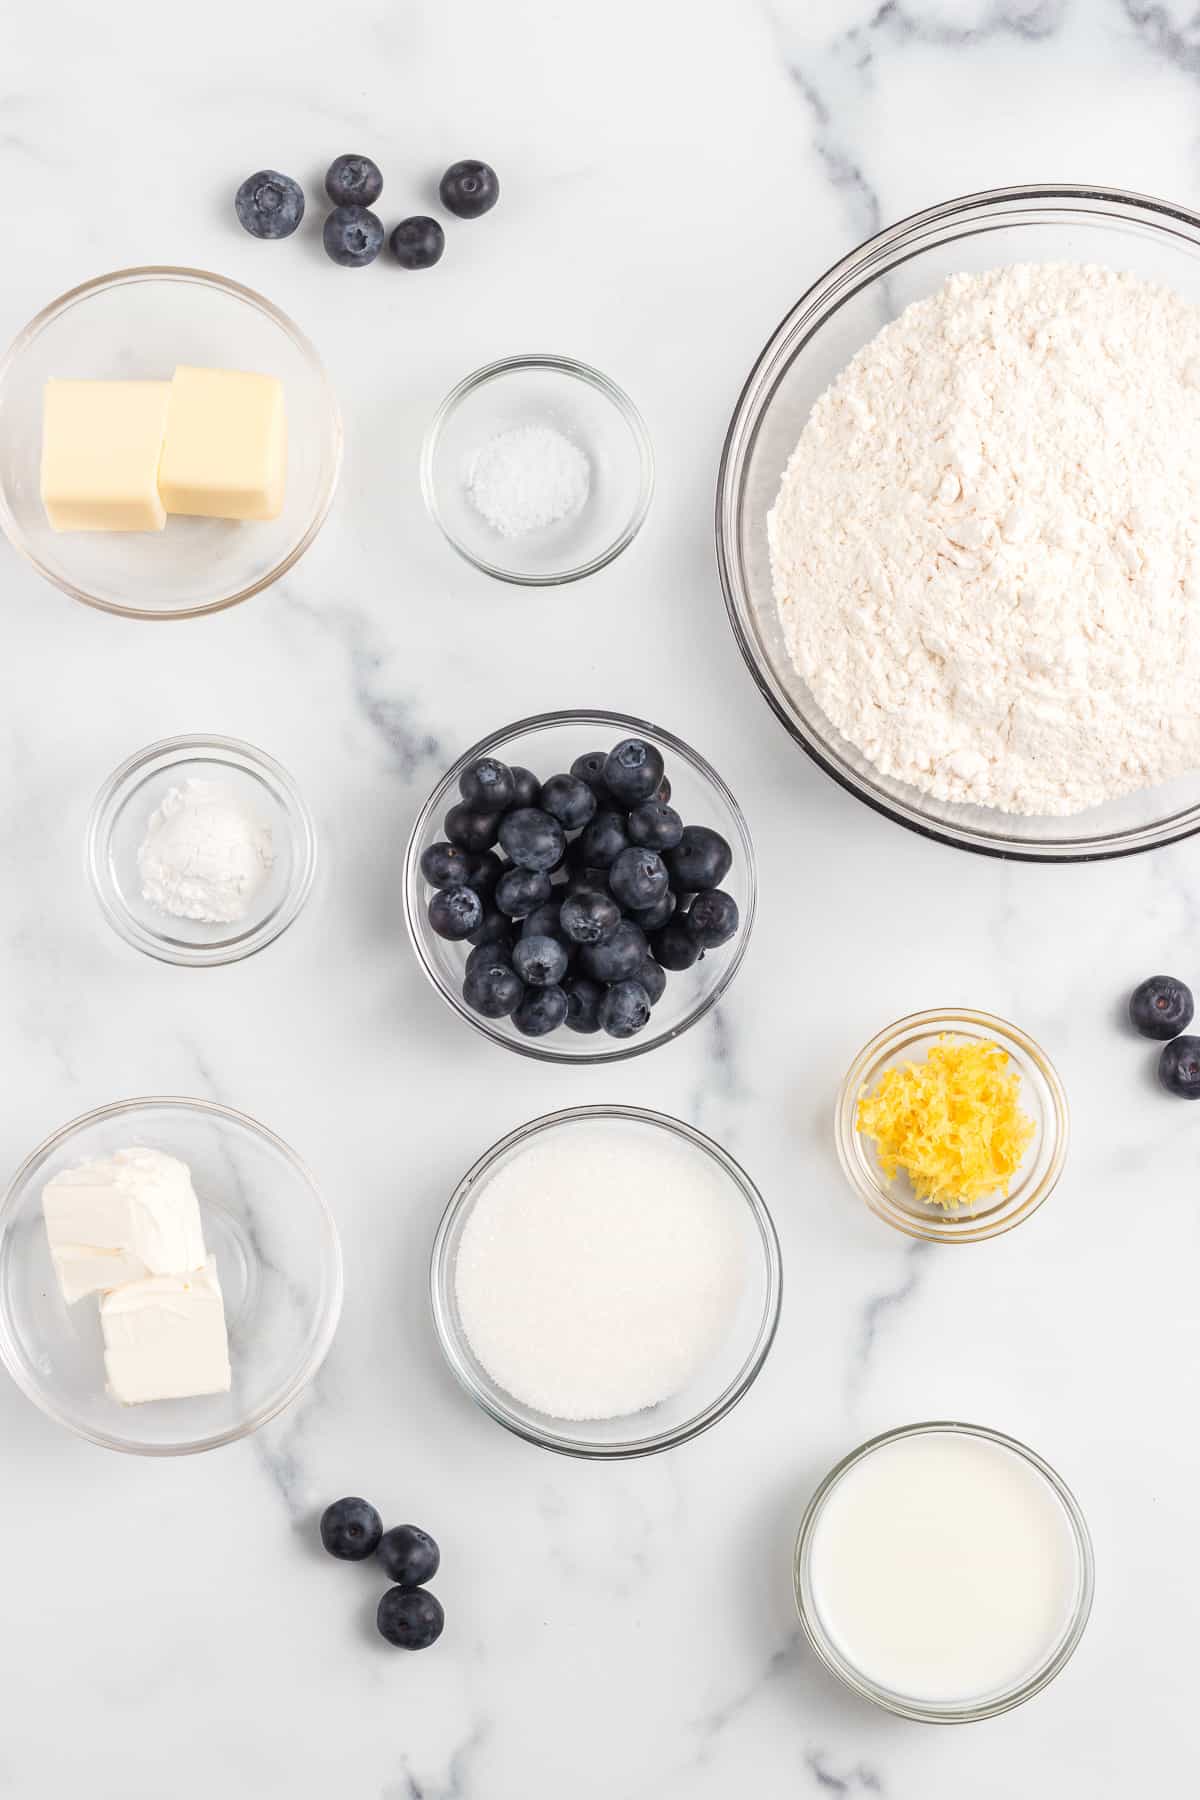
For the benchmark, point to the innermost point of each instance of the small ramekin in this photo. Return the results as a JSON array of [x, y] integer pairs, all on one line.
[[1042, 1097]]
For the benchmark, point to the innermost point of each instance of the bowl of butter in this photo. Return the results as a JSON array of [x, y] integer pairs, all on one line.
[[169, 443]]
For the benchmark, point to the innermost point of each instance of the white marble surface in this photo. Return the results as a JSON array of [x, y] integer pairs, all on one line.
[[674, 174]]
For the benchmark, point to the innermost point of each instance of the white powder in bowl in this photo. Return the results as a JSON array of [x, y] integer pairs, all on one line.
[[204, 857], [527, 478], [600, 1267]]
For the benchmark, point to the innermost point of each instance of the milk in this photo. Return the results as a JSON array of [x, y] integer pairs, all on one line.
[[944, 1568]]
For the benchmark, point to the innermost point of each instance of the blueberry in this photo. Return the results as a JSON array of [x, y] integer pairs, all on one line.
[[638, 878], [604, 839], [410, 1618], [540, 961], [663, 792], [625, 1009], [527, 788], [568, 800], [352, 236], [712, 918], [351, 1529], [520, 890], [455, 913], [701, 859], [445, 865], [353, 181], [269, 205], [1179, 1067], [483, 873], [408, 1556], [675, 947], [417, 243], [583, 1003], [653, 918], [496, 928], [469, 189], [532, 838], [471, 829], [543, 921], [588, 917], [1161, 1007], [496, 951], [542, 1010], [633, 771], [619, 957], [656, 825], [492, 986], [585, 879], [488, 785], [653, 978], [589, 768]]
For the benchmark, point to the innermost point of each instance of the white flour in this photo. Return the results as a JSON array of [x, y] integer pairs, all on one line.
[[986, 544]]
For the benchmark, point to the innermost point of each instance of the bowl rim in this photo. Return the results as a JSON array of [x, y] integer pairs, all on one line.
[[618, 1049], [937, 1228], [491, 1399], [904, 1706], [809, 313], [171, 272], [13, 1360], [101, 818], [577, 371]]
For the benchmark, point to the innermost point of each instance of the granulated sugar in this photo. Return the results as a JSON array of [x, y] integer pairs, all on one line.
[[601, 1266], [527, 478]]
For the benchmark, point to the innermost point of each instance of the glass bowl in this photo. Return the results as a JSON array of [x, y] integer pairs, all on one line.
[[549, 744], [948, 1713], [278, 1260], [121, 812], [139, 323], [839, 314], [1041, 1096], [708, 1397], [588, 409]]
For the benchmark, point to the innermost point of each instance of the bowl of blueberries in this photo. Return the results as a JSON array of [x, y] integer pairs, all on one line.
[[580, 886]]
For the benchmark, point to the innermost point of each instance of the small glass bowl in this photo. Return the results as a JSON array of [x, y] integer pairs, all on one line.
[[121, 812], [139, 324], [278, 1260], [549, 744], [588, 409], [1042, 1097], [714, 1392], [960, 1712]]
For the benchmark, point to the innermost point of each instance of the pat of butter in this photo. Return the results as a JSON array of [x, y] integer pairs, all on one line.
[[101, 443], [225, 451], [165, 1337], [121, 1218]]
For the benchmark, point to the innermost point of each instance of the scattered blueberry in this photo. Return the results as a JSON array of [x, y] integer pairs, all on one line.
[[633, 771], [527, 789], [269, 205], [417, 243], [470, 829], [625, 1009], [353, 181], [712, 918], [484, 872], [496, 928], [619, 957], [469, 189], [520, 890], [488, 785], [352, 236], [410, 1618], [656, 825], [455, 913], [701, 859], [583, 1003], [530, 837], [653, 918], [589, 768], [638, 878], [1179, 1067], [653, 978], [540, 961], [351, 1529], [544, 921], [604, 839], [587, 917], [445, 865], [493, 987], [1161, 1007], [542, 1010], [569, 800], [408, 1556], [675, 947]]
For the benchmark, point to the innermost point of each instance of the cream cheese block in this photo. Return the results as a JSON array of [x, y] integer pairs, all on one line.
[[121, 1218], [101, 445], [225, 451], [165, 1337]]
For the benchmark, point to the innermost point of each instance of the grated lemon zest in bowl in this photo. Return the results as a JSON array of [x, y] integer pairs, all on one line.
[[953, 1123]]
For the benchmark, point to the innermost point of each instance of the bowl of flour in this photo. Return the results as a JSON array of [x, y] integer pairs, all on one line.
[[959, 523]]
